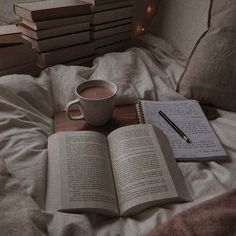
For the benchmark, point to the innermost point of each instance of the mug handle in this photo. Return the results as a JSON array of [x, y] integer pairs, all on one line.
[[80, 117]]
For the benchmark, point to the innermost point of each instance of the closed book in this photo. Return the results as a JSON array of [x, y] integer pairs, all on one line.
[[16, 55], [111, 24], [111, 31], [58, 42], [112, 39], [29, 68], [103, 2], [114, 47], [112, 15], [49, 33], [88, 60], [63, 55], [54, 23], [9, 34], [51, 9], [111, 5]]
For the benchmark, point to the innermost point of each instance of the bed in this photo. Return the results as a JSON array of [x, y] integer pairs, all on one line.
[[155, 68]]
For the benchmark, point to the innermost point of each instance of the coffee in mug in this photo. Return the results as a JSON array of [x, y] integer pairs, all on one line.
[[96, 100], [96, 92]]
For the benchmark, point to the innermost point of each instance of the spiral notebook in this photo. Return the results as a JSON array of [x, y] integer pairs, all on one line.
[[189, 117]]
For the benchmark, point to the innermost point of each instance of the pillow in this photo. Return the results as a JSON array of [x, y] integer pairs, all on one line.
[[181, 22], [210, 74]]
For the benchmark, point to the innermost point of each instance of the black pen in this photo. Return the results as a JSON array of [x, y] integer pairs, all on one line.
[[174, 126]]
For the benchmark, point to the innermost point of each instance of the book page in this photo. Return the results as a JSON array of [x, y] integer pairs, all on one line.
[[140, 172], [53, 188], [86, 180], [189, 117]]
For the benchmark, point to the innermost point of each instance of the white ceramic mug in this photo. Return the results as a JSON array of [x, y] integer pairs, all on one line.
[[96, 100]]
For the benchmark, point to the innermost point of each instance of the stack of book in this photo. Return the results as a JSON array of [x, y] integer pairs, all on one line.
[[59, 31], [111, 24], [17, 56]]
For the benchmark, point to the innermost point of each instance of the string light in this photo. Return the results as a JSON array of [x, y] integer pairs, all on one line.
[[139, 29], [149, 12], [149, 9]]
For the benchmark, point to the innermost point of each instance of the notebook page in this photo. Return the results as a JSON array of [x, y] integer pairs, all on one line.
[[189, 117]]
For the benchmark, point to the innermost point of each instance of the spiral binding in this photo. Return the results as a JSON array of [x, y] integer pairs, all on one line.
[[140, 113]]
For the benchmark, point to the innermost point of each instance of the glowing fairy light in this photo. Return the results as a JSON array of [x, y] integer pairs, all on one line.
[[140, 29], [149, 9]]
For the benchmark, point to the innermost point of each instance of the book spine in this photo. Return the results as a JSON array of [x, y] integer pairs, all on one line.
[[111, 31], [111, 24], [115, 14], [140, 113]]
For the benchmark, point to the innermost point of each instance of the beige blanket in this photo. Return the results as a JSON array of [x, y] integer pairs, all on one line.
[[26, 107], [213, 217]]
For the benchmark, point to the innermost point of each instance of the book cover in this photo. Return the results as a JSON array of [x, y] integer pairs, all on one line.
[[51, 9], [188, 116], [54, 23], [49, 33], [58, 42]]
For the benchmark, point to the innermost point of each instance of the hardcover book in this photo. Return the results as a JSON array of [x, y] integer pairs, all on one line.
[[114, 47], [88, 60], [115, 38], [63, 55], [29, 68], [112, 15], [111, 24], [16, 55], [54, 23], [111, 31], [111, 5], [49, 33], [9, 34], [58, 42], [51, 9], [104, 2], [119, 175]]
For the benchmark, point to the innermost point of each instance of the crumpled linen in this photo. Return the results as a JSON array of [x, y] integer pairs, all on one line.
[[27, 105]]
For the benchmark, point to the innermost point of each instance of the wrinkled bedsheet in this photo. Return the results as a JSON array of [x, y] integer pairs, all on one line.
[[148, 71]]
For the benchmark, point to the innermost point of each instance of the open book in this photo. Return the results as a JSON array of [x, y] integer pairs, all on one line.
[[119, 175], [189, 117]]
